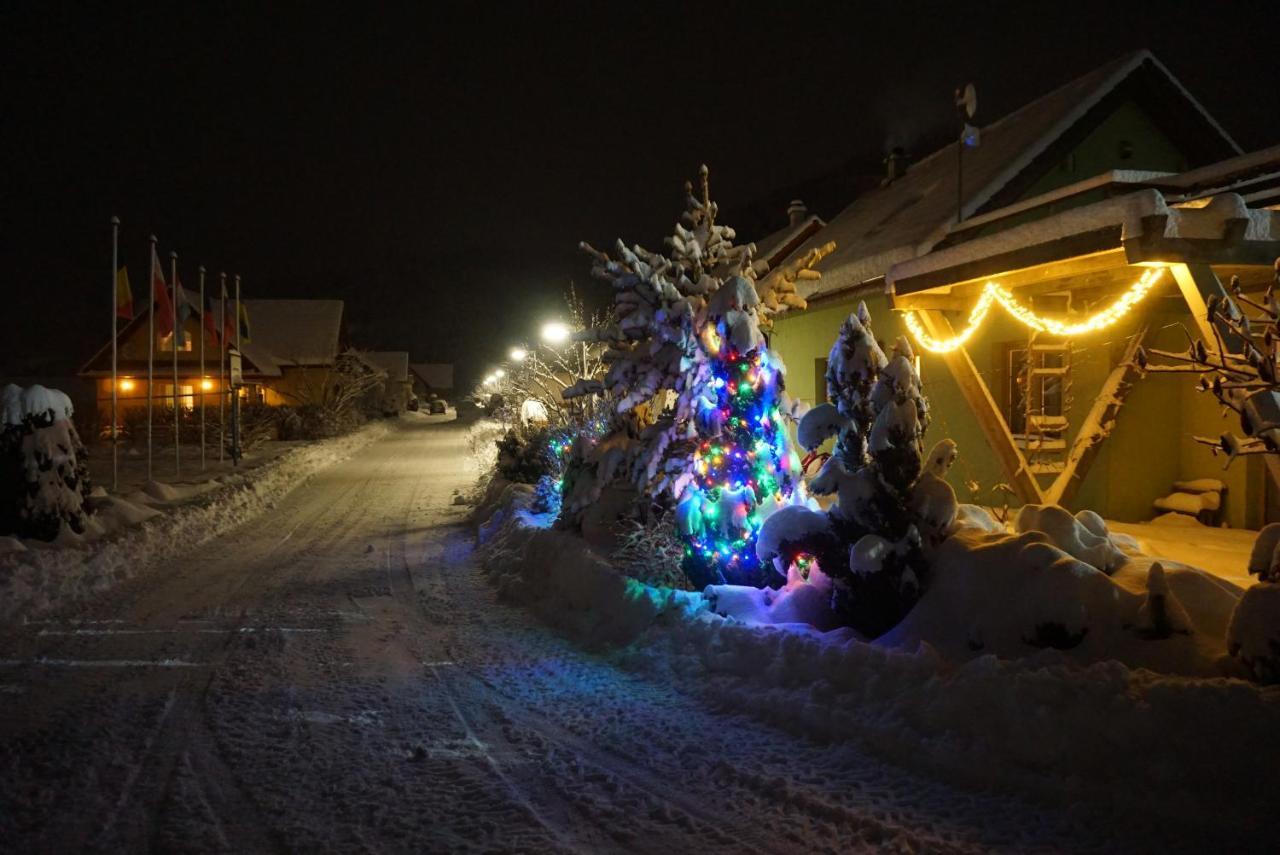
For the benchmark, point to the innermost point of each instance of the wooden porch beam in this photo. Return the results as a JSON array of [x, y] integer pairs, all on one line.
[[1198, 283], [1098, 424], [984, 407]]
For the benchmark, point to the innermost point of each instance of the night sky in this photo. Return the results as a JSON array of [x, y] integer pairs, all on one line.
[[436, 166]]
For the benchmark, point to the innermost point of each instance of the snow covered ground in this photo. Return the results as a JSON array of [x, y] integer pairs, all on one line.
[[1175, 761], [336, 675], [165, 519]]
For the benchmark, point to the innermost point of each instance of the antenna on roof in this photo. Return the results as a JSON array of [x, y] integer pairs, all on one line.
[[966, 106]]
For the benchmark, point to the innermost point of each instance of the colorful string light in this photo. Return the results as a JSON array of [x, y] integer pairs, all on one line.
[[742, 460], [993, 293]]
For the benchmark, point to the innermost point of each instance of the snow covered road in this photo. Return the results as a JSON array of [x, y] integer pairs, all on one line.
[[335, 675]]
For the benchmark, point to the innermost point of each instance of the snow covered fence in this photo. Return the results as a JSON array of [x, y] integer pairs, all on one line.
[[35, 579], [1125, 744]]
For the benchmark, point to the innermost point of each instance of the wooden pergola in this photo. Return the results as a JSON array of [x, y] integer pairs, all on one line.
[[1094, 251]]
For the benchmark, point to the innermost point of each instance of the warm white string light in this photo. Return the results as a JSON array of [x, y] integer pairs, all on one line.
[[993, 293]]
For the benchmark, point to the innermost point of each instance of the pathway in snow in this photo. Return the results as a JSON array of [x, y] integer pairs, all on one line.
[[335, 675]]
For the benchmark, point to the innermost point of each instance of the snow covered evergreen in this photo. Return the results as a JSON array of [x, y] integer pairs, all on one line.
[[46, 474], [891, 509], [698, 399]]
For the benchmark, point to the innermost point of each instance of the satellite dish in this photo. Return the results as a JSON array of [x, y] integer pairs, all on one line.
[[967, 101]]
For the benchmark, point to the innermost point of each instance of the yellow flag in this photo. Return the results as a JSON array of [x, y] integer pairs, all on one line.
[[124, 295]]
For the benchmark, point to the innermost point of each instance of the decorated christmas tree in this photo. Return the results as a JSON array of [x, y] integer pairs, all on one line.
[[699, 399]]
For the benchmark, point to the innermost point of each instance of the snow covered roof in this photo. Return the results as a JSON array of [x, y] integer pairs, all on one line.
[[909, 216], [780, 244], [394, 362], [296, 332], [436, 375], [260, 361], [1145, 223]]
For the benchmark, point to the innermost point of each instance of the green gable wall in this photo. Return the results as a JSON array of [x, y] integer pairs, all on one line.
[[1150, 448]]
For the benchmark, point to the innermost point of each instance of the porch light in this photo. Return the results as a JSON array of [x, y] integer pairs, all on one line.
[[126, 385], [206, 385]]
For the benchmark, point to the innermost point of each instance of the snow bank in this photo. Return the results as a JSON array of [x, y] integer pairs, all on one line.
[[1120, 743], [74, 568]]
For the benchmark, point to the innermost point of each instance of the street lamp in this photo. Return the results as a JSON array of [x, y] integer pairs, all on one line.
[[518, 354], [499, 373], [555, 332]]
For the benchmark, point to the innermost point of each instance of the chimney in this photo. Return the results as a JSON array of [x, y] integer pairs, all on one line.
[[895, 164], [796, 212]]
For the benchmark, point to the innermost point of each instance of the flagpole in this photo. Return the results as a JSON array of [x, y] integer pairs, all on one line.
[[177, 436], [202, 311], [115, 313], [151, 349], [235, 402], [222, 364]]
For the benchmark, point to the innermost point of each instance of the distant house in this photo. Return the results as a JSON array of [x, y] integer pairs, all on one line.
[[1065, 204], [432, 378], [398, 387], [288, 358]]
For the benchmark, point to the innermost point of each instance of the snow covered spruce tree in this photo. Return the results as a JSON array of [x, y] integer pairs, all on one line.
[[892, 502], [698, 399], [46, 473]]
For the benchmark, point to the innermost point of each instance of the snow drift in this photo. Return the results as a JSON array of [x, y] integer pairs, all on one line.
[[1127, 744]]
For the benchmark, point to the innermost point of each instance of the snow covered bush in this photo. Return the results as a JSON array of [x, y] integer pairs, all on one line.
[[697, 398], [893, 505], [1254, 634], [46, 470]]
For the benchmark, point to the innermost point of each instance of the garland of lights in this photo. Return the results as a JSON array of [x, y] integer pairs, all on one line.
[[743, 459], [993, 293]]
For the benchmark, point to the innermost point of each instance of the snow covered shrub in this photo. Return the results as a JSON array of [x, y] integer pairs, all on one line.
[[652, 552], [46, 470], [893, 504], [1254, 634], [524, 456], [698, 399]]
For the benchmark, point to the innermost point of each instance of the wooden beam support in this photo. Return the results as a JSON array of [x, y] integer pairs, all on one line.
[[1198, 283], [1097, 425], [985, 409]]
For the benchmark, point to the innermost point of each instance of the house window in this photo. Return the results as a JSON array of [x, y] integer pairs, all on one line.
[[820, 380], [186, 396], [1035, 400]]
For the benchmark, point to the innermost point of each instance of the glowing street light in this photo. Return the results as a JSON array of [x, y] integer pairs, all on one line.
[[518, 354], [499, 373], [555, 332]]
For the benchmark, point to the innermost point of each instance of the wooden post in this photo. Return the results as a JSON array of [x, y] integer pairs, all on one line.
[[985, 409], [1103, 414]]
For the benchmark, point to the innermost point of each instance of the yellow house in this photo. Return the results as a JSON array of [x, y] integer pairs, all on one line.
[[1065, 205]]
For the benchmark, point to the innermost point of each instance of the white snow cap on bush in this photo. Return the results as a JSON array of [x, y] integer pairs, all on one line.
[[1071, 535], [819, 424], [1161, 610], [789, 525], [35, 400], [1254, 634], [1264, 560]]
